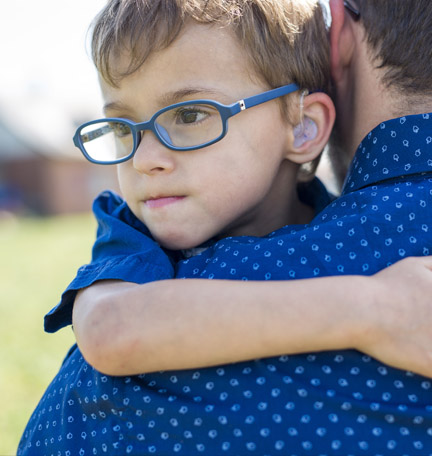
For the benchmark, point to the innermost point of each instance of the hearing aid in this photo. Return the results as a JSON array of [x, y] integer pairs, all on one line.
[[304, 131], [307, 128]]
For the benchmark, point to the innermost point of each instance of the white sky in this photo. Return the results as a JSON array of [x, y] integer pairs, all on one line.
[[43, 51]]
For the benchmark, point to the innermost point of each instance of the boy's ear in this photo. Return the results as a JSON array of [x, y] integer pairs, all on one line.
[[311, 135]]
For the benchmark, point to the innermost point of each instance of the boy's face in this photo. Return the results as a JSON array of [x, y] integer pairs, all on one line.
[[242, 185]]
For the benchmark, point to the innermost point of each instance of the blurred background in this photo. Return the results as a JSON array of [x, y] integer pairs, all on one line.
[[48, 86]]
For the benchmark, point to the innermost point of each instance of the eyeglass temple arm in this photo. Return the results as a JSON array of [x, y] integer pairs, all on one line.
[[355, 13], [89, 136], [267, 96]]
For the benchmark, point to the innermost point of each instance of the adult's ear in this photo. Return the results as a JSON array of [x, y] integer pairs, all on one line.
[[341, 40], [310, 136]]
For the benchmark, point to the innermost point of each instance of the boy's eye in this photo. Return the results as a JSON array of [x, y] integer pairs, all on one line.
[[190, 115]]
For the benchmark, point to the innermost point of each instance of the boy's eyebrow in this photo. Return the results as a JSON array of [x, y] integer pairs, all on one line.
[[179, 95], [168, 99], [115, 106]]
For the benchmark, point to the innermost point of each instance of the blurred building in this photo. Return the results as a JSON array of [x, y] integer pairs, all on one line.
[[41, 171]]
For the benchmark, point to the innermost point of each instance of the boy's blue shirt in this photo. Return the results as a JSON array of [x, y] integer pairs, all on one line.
[[336, 402], [124, 250]]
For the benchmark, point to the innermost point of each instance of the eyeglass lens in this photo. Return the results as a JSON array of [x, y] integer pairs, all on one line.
[[107, 141], [182, 126]]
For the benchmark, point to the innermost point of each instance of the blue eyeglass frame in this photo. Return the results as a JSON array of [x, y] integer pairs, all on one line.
[[226, 111]]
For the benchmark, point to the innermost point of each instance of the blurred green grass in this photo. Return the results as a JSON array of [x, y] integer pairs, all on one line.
[[38, 259]]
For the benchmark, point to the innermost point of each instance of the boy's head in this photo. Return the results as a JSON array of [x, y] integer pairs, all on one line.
[[155, 53]]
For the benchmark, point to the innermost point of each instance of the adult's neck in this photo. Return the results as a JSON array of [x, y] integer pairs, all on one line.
[[364, 101], [376, 103]]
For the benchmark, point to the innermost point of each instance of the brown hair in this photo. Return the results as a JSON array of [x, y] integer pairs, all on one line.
[[286, 40], [399, 33]]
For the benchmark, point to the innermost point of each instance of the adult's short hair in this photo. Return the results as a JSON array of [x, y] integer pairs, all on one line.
[[399, 33]]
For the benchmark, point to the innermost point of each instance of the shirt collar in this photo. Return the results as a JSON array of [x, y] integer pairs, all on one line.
[[395, 148]]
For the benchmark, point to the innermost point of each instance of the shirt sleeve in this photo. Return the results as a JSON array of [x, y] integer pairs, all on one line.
[[124, 250]]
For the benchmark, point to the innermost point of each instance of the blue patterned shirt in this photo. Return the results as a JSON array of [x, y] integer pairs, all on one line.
[[327, 403]]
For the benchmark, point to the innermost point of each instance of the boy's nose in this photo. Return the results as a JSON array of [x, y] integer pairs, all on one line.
[[152, 157]]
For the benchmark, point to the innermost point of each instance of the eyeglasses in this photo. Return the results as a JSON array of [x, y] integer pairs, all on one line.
[[184, 126], [355, 13]]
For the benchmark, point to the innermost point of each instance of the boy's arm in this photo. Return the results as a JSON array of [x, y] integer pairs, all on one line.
[[125, 329]]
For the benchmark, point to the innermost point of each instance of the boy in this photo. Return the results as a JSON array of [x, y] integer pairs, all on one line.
[[171, 207]]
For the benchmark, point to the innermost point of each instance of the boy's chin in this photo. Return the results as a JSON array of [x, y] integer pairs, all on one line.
[[177, 243]]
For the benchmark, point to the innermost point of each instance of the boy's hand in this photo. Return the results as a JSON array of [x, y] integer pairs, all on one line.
[[401, 308]]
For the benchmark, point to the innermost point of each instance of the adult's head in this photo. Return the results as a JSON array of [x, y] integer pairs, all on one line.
[[381, 65]]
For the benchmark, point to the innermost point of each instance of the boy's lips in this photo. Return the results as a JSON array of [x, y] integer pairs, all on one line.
[[161, 201]]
